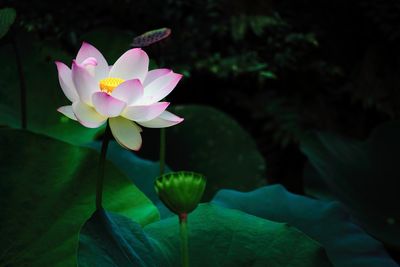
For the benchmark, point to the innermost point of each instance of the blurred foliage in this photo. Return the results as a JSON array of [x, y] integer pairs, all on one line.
[[7, 17]]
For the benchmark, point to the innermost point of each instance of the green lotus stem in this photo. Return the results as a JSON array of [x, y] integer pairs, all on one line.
[[22, 84], [162, 150], [184, 239], [102, 161]]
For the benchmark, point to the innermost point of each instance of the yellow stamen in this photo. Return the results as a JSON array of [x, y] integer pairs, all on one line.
[[109, 84]]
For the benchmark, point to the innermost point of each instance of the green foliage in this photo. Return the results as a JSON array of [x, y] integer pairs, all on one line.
[[242, 24], [247, 62], [273, 47], [7, 18], [217, 237], [47, 193], [363, 175]]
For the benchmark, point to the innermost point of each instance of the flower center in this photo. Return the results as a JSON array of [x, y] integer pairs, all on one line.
[[109, 84]]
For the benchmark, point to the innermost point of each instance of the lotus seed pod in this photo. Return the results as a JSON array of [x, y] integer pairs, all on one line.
[[180, 191]]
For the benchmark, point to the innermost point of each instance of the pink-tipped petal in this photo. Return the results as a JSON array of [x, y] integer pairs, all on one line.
[[155, 74], [166, 119], [160, 88], [126, 132], [133, 64], [107, 105], [89, 51], [129, 91], [87, 115], [66, 83], [84, 83], [145, 113], [67, 111], [90, 61]]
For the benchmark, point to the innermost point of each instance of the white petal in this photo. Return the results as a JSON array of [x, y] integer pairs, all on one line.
[[129, 91], [133, 64], [66, 83], [166, 119], [126, 132], [85, 84], [155, 74], [107, 105], [87, 51], [145, 113], [160, 88], [87, 115], [67, 111]]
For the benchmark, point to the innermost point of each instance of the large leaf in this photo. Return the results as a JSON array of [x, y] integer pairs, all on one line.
[[210, 142], [217, 237], [346, 244], [7, 18], [363, 175], [47, 193]]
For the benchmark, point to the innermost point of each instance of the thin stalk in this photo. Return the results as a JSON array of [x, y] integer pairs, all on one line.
[[22, 84], [162, 150], [102, 160], [184, 239]]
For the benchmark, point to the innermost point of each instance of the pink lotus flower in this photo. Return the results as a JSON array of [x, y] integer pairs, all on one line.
[[126, 93]]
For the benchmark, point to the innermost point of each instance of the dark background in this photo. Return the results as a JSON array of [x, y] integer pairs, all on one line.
[[281, 68]]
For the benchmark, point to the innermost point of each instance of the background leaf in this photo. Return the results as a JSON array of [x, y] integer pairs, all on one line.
[[7, 18], [47, 193], [363, 175], [346, 244]]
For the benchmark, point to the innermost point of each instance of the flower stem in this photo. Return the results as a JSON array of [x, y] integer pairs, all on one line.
[[184, 239], [102, 160], [162, 150], [21, 79]]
